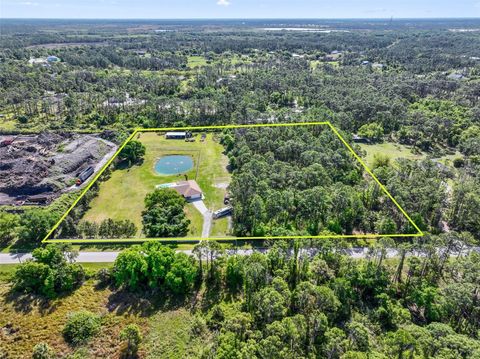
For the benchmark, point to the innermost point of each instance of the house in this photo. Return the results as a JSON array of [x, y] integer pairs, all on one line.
[[188, 189], [455, 76], [176, 135]]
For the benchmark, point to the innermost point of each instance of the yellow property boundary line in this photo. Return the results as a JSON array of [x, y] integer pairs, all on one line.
[[196, 239]]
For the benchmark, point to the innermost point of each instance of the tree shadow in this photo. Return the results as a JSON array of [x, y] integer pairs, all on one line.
[[144, 304], [125, 165], [25, 303], [212, 295]]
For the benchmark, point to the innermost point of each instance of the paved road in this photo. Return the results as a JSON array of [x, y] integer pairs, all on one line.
[[104, 257], [207, 217]]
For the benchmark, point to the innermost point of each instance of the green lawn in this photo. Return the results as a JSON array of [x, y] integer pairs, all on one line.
[[170, 336], [122, 195], [219, 227]]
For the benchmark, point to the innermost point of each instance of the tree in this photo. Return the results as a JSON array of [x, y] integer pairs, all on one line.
[[373, 131], [132, 335], [182, 274], [81, 326], [270, 304], [130, 268], [132, 152], [234, 272], [35, 224], [8, 226], [49, 273], [400, 342], [164, 215]]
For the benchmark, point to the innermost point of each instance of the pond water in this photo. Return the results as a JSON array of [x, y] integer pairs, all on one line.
[[173, 164]]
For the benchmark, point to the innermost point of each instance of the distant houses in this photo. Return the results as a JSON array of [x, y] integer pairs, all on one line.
[[45, 61]]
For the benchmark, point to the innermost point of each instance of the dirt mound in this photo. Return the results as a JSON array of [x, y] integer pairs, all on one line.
[[45, 164]]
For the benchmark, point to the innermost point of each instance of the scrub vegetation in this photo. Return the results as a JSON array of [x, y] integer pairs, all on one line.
[[403, 93]]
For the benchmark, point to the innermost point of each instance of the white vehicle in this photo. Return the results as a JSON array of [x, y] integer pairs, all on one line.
[[225, 211]]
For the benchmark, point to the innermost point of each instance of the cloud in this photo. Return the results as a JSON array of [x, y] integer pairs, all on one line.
[[223, 2], [28, 3]]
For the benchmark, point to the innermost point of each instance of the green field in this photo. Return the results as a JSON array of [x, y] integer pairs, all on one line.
[[122, 195], [395, 151], [196, 61], [390, 149]]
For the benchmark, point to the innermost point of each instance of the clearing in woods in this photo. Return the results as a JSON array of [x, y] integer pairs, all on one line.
[[122, 195]]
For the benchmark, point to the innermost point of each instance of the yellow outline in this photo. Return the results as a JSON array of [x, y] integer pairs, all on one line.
[[196, 239]]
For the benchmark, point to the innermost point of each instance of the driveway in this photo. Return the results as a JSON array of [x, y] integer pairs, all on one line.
[[207, 217]]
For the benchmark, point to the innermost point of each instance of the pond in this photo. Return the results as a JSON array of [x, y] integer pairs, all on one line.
[[173, 164]]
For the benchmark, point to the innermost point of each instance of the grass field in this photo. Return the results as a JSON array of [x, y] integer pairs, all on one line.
[[196, 61], [122, 195], [390, 149], [395, 151]]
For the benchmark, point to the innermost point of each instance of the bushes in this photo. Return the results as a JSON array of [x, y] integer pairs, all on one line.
[[43, 351], [108, 228], [81, 326], [48, 273]]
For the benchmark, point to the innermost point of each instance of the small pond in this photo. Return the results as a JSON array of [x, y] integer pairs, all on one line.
[[173, 164]]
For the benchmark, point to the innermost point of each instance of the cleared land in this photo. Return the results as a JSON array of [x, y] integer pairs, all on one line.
[[390, 149], [395, 151], [122, 195], [46, 165]]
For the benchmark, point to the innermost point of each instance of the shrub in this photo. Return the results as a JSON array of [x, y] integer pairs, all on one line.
[[43, 351], [458, 162], [131, 333], [81, 326]]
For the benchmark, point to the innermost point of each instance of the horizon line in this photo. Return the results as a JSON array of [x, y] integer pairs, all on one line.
[[245, 18]]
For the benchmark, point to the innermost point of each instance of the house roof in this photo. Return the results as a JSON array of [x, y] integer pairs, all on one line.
[[188, 188], [175, 133]]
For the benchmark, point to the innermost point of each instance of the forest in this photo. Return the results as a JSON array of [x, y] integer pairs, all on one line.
[[404, 94]]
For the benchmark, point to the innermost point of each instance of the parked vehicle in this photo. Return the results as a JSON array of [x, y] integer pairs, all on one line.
[[82, 177], [225, 211]]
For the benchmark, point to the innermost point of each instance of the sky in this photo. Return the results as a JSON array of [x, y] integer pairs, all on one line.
[[209, 9]]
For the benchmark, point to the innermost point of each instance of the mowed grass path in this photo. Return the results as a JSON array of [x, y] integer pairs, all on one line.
[[122, 195]]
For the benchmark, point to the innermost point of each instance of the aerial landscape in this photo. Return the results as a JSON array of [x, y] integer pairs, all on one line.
[[221, 180]]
